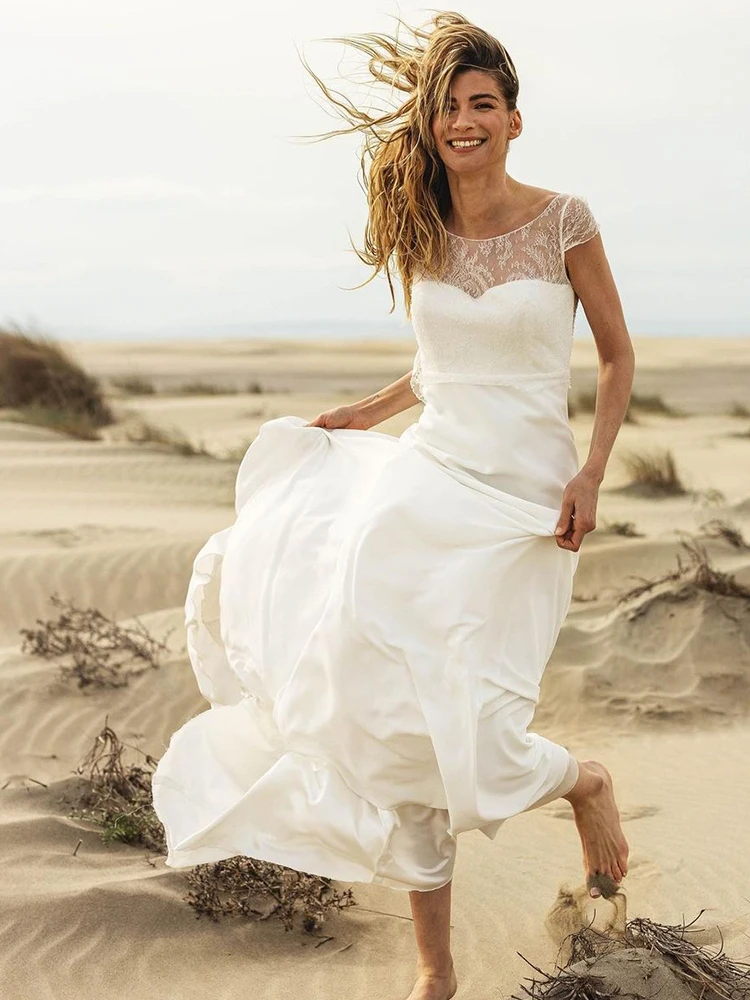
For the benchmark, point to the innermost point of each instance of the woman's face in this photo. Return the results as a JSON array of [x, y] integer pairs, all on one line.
[[478, 117]]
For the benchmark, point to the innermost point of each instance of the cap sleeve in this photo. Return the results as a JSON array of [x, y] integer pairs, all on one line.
[[415, 381], [578, 223]]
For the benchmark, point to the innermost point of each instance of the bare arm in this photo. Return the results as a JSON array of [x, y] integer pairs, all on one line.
[[370, 410], [592, 281], [387, 402]]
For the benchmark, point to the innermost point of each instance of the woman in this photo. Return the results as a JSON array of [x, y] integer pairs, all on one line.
[[372, 630]]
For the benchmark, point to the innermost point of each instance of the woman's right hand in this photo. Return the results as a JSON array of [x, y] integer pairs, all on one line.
[[350, 417]]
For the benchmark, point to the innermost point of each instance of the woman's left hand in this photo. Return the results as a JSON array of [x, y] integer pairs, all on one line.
[[577, 511]]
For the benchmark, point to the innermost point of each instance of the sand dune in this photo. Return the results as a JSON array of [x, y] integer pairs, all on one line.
[[657, 686]]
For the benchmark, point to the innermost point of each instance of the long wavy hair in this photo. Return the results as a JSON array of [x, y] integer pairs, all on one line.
[[401, 171]]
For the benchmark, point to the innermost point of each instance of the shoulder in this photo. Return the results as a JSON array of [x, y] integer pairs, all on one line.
[[577, 221]]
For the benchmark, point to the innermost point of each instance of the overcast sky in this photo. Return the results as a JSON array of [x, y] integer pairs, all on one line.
[[151, 183]]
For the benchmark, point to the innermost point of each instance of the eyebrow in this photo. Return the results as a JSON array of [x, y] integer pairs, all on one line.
[[475, 97]]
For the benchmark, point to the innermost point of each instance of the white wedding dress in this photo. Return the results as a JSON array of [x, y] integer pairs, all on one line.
[[372, 630]]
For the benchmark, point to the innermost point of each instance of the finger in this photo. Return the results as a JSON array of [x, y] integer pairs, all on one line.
[[581, 527], [564, 521], [564, 542]]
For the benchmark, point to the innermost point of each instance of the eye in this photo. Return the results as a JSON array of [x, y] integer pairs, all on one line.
[[482, 104]]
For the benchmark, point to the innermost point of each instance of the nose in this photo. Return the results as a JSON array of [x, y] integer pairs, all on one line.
[[463, 120]]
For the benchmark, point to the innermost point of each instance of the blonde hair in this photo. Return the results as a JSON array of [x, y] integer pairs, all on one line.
[[402, 173]]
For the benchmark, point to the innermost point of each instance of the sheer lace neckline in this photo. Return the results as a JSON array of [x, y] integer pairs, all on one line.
[[487, 239]]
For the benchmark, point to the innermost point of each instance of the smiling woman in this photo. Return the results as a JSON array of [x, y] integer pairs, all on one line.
[[372, 630]]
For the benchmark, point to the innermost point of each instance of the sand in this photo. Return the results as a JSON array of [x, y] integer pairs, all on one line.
[[657, 688]]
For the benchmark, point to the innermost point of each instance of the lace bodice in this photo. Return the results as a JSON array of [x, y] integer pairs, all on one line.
[[503, 309]]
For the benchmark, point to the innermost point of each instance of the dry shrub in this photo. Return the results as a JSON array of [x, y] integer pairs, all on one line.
[[651, 959], [39, 377], [100, 652], [246, 887], [694, 573], [653, 473], [165, 439], [738, 410], [118, 797], [134, 385]]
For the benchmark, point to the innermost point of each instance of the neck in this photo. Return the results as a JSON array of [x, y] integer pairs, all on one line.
[[480, 202]]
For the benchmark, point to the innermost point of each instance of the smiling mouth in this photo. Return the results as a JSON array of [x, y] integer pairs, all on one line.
[[466, 143]]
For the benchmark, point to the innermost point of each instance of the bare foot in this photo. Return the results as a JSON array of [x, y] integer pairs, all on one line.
[[430, 987], [605, 849]]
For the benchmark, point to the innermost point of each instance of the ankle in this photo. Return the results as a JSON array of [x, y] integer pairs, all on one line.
[[590, 783], [435, 969]]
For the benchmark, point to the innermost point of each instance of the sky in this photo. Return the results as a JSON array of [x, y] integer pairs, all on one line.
[[154, 182]]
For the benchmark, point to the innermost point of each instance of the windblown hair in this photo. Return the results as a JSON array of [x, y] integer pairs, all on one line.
[[401, 170]]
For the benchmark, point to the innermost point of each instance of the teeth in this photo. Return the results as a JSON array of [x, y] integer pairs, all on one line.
[[464, 143]]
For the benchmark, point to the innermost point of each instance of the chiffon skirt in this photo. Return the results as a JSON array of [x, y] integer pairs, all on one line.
[[370, 633]]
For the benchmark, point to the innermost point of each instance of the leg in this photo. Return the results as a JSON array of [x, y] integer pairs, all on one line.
[[436, 978], [605, 848]]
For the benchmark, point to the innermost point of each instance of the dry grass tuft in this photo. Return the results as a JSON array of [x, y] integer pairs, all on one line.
[[118, 797], [134, 385], [585, 402], [40, 380], [651, 959], [164, 439], [173, 440], [77, 425], [624, 528], [653, 473], [237, 452], [100, 652], [653, 404], [719, 528], [199, 388], [738, 410]]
